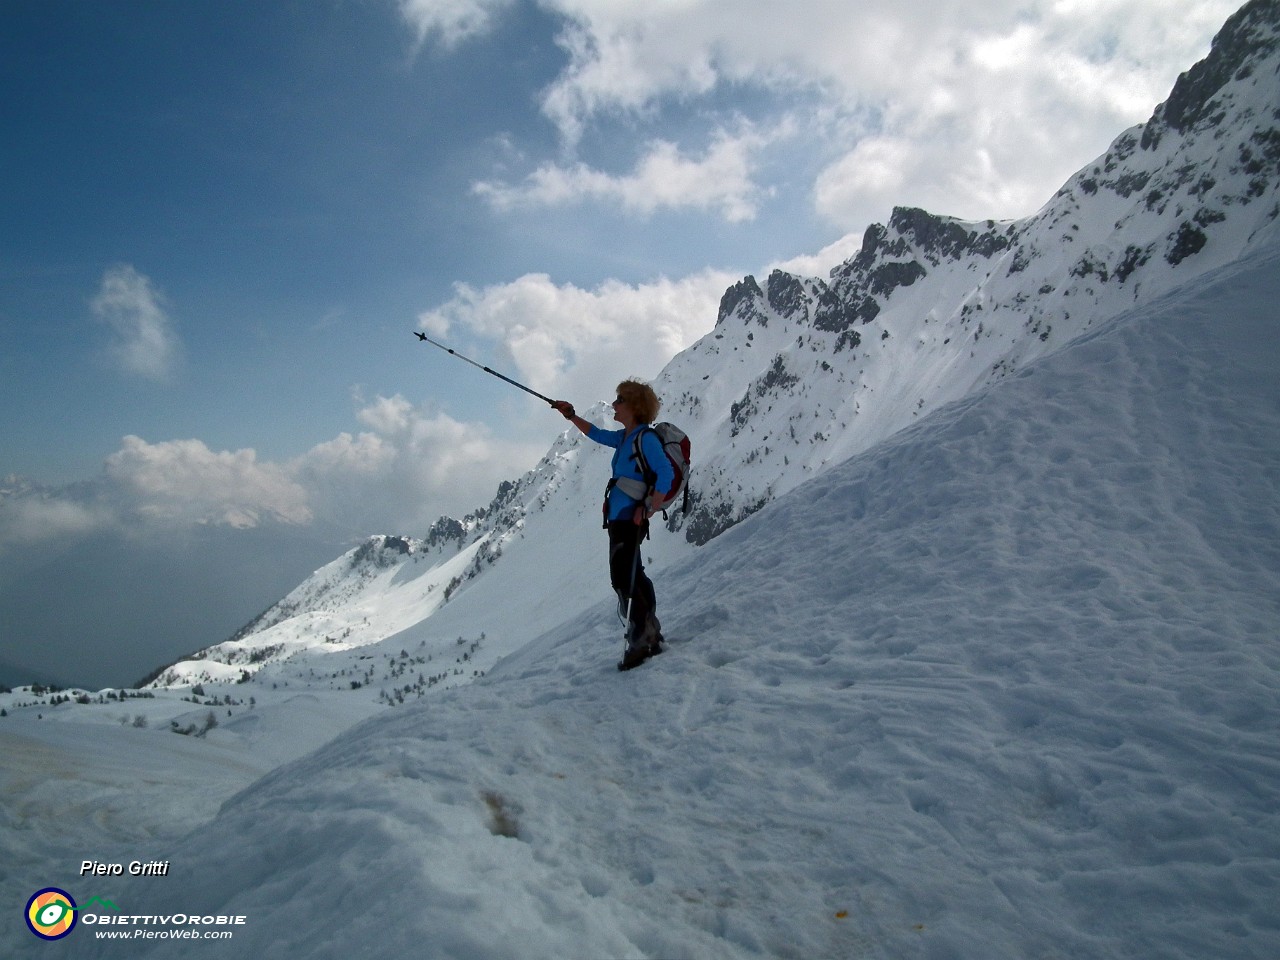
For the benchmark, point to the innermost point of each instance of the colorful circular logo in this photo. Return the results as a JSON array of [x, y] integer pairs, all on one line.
[[51, 913]]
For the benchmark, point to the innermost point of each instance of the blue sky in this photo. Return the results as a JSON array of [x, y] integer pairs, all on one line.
[[221, 222]]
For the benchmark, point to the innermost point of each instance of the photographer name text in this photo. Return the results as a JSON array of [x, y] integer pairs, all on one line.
[[96, 868]]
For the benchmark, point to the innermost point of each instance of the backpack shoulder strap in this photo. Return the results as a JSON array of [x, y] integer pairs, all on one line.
[[640, 458]]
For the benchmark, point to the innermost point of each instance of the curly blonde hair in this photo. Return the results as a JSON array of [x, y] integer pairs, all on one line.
[[639, 396]]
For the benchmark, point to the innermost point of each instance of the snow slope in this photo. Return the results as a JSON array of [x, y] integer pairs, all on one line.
[[1005, 686]]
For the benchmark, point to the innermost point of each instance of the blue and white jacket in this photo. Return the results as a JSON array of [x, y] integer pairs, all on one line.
[[628, 486]]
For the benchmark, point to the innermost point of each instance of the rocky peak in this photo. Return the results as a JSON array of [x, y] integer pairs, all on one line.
[[1249, 36], [745, 291]]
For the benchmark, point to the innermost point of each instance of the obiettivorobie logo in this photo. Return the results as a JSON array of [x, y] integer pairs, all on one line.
[[52, 913]]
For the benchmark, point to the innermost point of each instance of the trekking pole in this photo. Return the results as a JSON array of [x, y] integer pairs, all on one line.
[[635, 570], [495, 373], [631, 593]]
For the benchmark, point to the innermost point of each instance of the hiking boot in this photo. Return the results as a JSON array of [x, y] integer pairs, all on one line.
[[635, 656], [651, 635], [642, 643]]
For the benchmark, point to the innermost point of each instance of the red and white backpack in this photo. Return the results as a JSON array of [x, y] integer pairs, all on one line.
[[675, 444]]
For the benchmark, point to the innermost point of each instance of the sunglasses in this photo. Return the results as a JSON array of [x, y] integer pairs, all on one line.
[[618, 402]]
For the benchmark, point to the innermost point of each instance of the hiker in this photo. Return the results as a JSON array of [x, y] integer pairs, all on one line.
[[630, 500]]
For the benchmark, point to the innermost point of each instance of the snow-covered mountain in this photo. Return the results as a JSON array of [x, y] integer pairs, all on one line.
[[800, 373]]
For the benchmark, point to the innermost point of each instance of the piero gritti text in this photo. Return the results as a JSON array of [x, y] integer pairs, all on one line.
[[152, 868]]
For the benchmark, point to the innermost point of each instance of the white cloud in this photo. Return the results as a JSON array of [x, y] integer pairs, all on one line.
[[432, 449], [565, 341], [876, 168], [624, 55], [996, 113], [987, 107], [821, 264], [346, 455], [450, 21], [410, 467], [185, 481], [47, 519], [143, 341], [664, 178]]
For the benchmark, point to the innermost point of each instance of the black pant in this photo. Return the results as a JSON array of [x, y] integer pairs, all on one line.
[[625, 537]]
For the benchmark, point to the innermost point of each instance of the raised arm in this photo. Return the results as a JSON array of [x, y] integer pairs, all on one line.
[[565, 408]]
